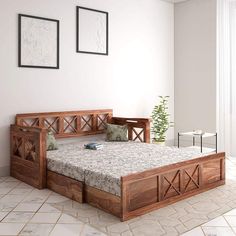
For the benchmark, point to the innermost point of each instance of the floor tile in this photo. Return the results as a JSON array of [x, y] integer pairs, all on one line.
[[219, 221], [4, 191], [28, 207], [231, 213], [231, 220], [65, 218], [194, 232], [24, 185], [67, 229], [37, 230], [56, 199], [20, 191], [12, 198], [7, 206], [218, 231], [35, 199], [90, 231], [49, 208], [18, 217], [50, 218], [10, 228], [3, 214], [12, 179], [8, 184]]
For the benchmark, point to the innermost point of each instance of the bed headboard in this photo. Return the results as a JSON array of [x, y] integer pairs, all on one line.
[[69, 123]]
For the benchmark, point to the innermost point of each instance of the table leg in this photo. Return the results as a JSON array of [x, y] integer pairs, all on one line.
[[193, 141], [178, 140], [201, 143], [216, 143]]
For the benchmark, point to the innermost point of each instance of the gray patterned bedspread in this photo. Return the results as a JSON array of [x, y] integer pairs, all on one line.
[[102, 169]]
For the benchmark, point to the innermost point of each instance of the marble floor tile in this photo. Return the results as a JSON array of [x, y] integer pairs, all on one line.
[[3, 215], [90, 231], [10, 228], [195, 232], [5, 190], [18, 217], [219, 221], [7, 206], [8, 184], [37, 230], [35, 199], [67, 230], [68, 219], [57, 199], [231, 220], [231, 213], [12, 198], [11, 179], [50, 218], [20, 191], [218, 231], [28, 207], [49, 208]]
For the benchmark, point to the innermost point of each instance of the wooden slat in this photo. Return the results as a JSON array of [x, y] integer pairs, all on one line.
[[103, 200], [152, 189], [55, 121], [65, 186]]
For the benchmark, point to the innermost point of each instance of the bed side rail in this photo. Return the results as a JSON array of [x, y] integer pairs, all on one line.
[[28, 155], [138, 128]]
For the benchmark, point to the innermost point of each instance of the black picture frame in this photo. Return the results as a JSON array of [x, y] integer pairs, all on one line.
[[20, 16], [78, 31]]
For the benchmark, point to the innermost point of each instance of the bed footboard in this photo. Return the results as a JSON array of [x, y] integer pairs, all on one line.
[[153, 189], [28, 155], [138, 128]]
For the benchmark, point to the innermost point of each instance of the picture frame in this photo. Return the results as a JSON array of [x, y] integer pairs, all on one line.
[[92, 31], [38, 42]]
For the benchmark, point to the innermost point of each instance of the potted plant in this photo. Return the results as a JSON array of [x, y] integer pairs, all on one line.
[[160, 121]]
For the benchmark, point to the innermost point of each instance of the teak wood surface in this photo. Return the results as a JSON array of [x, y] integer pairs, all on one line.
[[140, 192]]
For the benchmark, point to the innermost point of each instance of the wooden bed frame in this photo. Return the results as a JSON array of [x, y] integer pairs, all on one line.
[[140, 192]]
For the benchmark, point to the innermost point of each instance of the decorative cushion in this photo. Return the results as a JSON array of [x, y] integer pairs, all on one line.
[[117, 133], [51, 142]]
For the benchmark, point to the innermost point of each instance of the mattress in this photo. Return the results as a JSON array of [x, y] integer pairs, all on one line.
[[103, 169]]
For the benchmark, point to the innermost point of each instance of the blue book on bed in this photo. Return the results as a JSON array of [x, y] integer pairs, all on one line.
[[93, 146]]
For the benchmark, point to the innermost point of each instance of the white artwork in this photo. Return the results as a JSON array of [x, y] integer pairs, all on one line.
[[38, 42], [92, 31]]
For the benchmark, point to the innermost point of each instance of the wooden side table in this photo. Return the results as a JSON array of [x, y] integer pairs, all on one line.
[[201, 137]]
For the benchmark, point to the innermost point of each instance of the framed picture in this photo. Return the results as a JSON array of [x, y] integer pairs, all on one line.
[[92, 31], [38, 42]]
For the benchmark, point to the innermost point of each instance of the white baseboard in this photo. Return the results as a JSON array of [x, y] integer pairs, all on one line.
[[4, 171]]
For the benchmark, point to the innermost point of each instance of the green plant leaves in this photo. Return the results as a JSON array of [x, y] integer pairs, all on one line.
[[160, 119]]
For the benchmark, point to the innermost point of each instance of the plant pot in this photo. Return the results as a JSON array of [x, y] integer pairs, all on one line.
[[159, 143]]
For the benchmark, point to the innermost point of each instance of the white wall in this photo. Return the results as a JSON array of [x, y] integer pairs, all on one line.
[[129, 80], [195, 65]]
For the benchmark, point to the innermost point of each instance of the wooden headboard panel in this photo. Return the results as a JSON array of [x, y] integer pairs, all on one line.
[[69, 123]]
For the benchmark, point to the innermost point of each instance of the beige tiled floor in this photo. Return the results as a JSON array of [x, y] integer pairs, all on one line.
[[31, 212]]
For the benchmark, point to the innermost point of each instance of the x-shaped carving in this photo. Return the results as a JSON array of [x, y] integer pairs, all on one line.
[[138, 135], [70, 124], [18, 143], [191, 177], [30, 146], [171, 183], [102, 121], [30, 150], [50, 125], [86, 122], [33, 123]]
